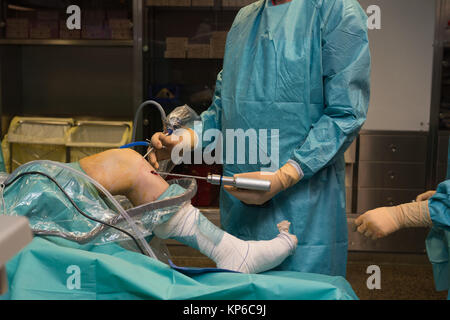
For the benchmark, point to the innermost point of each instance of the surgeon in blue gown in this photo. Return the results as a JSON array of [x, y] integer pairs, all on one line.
[[301, 67], [431, 209]]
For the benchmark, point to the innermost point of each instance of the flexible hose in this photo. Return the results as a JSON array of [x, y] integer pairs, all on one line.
[[139, 113]]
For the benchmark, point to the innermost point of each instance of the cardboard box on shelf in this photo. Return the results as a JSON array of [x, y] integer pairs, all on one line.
[[93, 32], [175, 54], [158, 3], [218, 43], [121, 29], [42, 15], [44, 29], [17, 28], [93, 17], [179, 3], [203, 3], [17, 22], [121, 34], [120, 23], [176, 44], [217, 53], [236, 3], [116, 14], [219, 35], [65, 33], [198, 51], [12, 33]]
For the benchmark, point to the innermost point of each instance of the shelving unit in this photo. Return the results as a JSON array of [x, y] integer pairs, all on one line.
[[190, 80], [440, 107], [86, 78], [63, 42]]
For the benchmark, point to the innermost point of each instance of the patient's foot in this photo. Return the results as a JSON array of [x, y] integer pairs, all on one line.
[[256, 256], [190, 227]]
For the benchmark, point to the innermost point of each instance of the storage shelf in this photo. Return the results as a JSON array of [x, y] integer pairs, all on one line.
[[193, 8], [63, 42], [182, 59]]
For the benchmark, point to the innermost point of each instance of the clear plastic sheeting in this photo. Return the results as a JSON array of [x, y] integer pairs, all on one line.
[[147, 217], [180, 117], [183, 116], [51, 213]]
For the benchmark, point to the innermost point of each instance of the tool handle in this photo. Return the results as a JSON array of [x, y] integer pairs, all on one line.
[[252, 184], [241, 183]]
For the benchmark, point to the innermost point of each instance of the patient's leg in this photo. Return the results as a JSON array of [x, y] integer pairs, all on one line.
[[125, 172], [128, 173]]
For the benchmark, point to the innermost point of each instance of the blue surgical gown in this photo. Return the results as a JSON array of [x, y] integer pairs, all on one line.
[[302, 68], [438, 240]]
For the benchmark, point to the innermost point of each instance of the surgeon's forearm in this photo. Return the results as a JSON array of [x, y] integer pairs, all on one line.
[[414, 214]]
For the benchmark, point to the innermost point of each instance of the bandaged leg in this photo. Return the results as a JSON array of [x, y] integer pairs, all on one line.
[[190, 227], [125, 172], [381, 222]]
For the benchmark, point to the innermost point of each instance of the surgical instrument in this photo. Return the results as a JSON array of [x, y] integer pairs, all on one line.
[[218, 180]]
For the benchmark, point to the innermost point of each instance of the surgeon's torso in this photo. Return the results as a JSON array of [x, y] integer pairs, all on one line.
[[272, 75]]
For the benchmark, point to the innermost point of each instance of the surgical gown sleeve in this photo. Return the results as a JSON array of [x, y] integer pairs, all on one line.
[[439, 206], [211, 118], [346, 67]]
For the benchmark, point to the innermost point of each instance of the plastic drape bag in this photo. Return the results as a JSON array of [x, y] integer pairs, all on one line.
[[51, 213], [181, 117]]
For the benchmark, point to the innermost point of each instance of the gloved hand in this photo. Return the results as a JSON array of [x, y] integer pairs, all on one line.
[[282, 179], [425, 196], [163, 145], [381, 222]]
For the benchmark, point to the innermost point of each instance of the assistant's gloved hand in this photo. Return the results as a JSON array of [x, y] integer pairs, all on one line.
[[381, 222], [163, 145], [283, 178], [425, 196]]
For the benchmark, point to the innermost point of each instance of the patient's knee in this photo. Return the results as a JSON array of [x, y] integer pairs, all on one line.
[[116, 169]]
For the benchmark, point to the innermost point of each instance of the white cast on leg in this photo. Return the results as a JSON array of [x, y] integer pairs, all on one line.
[[190, 227]]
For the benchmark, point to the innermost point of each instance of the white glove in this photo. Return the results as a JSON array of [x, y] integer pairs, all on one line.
[[381, 222], [282, 179], [163, 145]]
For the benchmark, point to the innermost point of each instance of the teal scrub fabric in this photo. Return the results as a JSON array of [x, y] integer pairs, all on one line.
[[438, 240], [300, 71], [42, 271]]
